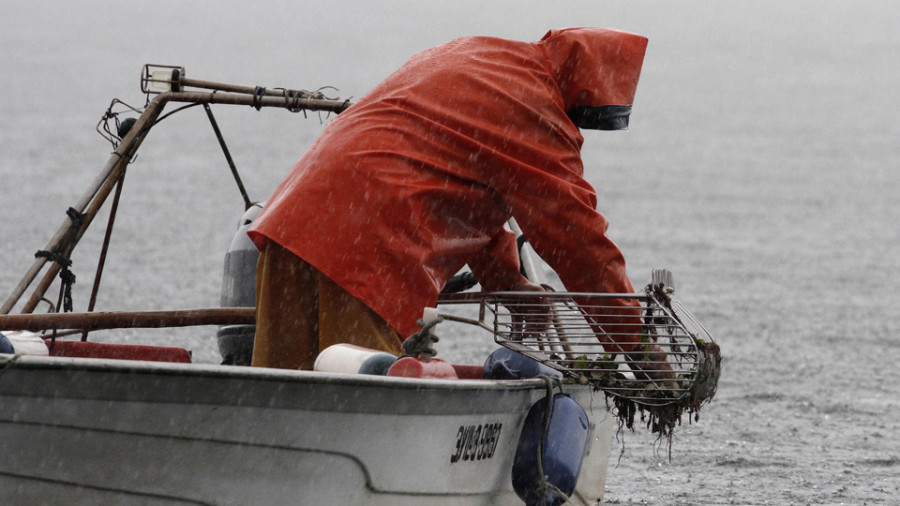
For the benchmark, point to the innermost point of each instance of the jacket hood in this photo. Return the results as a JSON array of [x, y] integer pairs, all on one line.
[[597, 71]]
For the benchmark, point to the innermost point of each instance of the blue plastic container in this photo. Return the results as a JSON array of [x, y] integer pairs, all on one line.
[[6, 345], [378, 364], [508, 364], [564, 447]]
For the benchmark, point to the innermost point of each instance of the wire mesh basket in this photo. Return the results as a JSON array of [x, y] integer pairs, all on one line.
[[645, 347]]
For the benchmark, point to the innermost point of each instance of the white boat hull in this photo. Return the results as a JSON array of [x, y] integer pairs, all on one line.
[[106, 432]]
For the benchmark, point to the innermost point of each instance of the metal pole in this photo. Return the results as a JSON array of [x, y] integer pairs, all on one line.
[[234, 171], [309, 104], [66, 238], [130, 319], [185, 82], [97, 191], [101, 262]]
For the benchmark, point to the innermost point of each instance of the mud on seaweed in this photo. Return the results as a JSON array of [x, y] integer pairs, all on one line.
[[662, 419]]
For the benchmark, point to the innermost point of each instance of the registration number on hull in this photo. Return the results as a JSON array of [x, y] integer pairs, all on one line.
[[476, 442]]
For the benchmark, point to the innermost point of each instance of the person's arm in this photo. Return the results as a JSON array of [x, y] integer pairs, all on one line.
[[555, 209], [496, 267], [560, 221]]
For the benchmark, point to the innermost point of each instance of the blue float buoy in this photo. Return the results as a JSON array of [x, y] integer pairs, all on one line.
[[565, 443]]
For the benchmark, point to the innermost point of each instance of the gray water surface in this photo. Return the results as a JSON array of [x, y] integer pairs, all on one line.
[[761, 167]]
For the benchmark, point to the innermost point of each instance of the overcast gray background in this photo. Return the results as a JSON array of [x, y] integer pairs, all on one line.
[[761, 167]]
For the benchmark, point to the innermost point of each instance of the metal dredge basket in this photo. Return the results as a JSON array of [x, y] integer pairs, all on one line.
[[577, 334]]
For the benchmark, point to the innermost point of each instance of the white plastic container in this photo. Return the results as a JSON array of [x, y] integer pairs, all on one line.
[[352, 359], [22, 342]]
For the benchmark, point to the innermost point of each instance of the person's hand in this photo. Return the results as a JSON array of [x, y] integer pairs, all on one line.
[[530, 314], [650, 363]]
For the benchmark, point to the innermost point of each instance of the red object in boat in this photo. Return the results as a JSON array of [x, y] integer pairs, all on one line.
[[469, 371], [411, 367], [87, 349]]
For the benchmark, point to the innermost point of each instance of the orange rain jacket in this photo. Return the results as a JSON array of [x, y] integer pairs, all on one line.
[[418, 178]]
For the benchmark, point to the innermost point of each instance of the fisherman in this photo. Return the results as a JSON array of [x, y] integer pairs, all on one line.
[[418, 178]]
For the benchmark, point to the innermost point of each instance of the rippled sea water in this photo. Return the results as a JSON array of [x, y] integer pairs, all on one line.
[[761, 167]]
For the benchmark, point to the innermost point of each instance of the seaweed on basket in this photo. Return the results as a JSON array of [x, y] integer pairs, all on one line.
[[662, 418]]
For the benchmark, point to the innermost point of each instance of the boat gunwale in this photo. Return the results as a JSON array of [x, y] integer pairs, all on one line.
[[248, 387], [257, 373]]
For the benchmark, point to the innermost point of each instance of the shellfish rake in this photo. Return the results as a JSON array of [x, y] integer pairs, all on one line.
[[671, 361]]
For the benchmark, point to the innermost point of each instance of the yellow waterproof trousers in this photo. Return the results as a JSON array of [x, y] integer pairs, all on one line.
[[300, 312]]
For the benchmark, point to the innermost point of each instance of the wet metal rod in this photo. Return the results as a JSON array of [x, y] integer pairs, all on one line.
[[68, 235], [130, 319], [234, 171]]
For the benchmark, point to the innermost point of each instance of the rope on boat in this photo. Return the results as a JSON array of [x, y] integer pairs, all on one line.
[[299, 100], [67, 279], [76, 217], [258, 93], [292, 100], [544, 487], [66, 276], [421, 344], [173, 111]]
